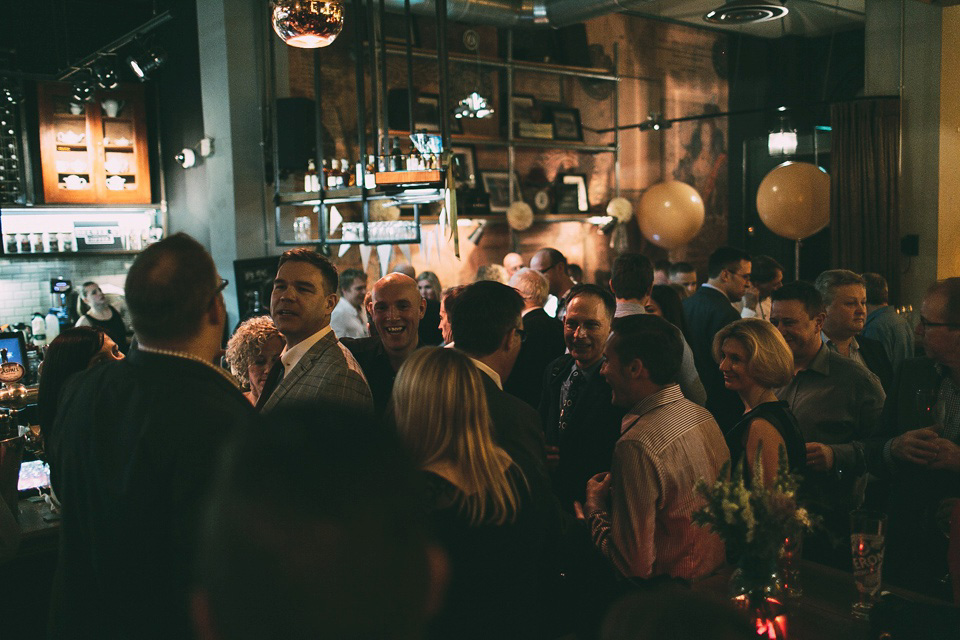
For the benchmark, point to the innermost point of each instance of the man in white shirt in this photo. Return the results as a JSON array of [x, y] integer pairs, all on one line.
[[316, 369], [765, 278], [349, 318]]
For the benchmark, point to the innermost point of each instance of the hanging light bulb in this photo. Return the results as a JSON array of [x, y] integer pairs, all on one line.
[[473, 106], [308, 24]]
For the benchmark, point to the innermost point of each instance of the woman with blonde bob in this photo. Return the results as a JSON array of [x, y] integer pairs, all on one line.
[[754, 360], [476, 497]]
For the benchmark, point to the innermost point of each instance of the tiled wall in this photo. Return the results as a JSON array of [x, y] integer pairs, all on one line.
[[25, 282]]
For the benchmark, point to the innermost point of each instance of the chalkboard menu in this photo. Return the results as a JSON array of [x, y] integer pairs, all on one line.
[[254, 277]]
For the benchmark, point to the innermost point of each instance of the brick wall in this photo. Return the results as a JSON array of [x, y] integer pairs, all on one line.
[[25, 281]]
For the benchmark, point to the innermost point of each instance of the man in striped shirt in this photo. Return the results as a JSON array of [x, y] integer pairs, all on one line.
[[640, 512]]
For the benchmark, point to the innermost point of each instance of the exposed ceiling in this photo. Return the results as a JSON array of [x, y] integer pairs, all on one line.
[[806, 18]]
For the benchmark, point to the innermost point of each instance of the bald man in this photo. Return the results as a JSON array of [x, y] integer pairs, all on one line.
[[396, 311], [512, 262]]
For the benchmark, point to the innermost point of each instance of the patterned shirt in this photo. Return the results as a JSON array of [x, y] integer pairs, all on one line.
[[667, 443]]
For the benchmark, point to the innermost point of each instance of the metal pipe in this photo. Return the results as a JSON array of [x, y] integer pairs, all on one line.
[[443, 77]]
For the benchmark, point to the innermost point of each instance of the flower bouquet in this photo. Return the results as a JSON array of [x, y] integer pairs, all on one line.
[[755, 522]]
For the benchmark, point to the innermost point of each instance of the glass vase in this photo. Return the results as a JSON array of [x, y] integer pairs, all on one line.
[[755, 587]]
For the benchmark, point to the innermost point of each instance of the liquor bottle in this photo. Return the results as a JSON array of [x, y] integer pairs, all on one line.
[[310, 178], [328, 178], [347, 177], [396, 156]]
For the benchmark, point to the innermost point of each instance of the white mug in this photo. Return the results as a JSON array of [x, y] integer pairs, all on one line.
[[115, 183], [75, 182], [112, 107]]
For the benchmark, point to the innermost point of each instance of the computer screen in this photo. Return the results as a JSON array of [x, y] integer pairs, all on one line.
[[16, 348]]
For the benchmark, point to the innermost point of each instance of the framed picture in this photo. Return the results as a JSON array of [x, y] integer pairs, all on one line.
[[465, 165], [571, 194], [496, 184], [426, 115], [524, 109], [566, 124]]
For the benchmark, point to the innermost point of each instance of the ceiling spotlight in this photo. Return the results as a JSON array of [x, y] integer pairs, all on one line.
[[106, 75], [738, 12], [84, 87], [473, 106], [146, 63], [307, 24]]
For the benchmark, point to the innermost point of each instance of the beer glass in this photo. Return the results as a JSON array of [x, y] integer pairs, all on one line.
[[867, 532]]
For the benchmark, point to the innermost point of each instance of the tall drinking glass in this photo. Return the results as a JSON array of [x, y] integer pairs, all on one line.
[[867, 532]]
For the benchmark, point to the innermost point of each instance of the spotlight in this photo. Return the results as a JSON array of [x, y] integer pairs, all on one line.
[[106, 75], [10, 91], [146, 63], [83, 87]]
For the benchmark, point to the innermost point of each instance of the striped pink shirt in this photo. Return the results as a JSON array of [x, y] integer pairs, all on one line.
[[667, 443]]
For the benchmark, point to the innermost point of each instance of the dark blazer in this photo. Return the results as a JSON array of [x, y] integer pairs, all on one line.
[[376, 367], [586, 445], [133, 454], [327, 374], [917, 546], [515, 425], [707, 311], [429, 329], [543, 344], [877, 361]]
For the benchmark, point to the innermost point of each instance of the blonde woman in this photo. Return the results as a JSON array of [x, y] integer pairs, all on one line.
[[429, 285], [476, 497], [754, 360]]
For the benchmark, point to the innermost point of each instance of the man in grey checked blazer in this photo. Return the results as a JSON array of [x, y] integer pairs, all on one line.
[[314, 367]]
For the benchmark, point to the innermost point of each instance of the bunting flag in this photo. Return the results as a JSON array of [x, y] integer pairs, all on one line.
[[383, 252], [426, 239], [405, 250], [335, 220], [343, 250], [364, 255]]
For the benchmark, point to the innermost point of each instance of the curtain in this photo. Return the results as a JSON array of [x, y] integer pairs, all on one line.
[[865, 188]]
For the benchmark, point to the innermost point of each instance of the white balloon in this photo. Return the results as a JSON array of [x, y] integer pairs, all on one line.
[[671, 213], [621, 209]]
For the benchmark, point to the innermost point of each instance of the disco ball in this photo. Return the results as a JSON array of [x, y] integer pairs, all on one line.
[[308, 24]]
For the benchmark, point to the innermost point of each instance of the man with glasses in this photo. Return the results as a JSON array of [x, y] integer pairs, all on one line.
[[132, 453], [317, 369], [920, 451], [553, 266], [709, 310]]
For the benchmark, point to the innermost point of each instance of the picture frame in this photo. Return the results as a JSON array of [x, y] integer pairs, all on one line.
[[566, 124], [496, 184], [571, 193], [524, 107], [465, 167], [426, 115]]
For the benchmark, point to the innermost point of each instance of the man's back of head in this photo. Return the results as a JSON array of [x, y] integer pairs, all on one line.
[[532, 286], [878, 294], [485, 312], [169, 288], [553, 265], [632, 276], [313, 532]]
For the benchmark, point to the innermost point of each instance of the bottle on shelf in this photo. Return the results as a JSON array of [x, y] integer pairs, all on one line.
[[52, 323], [347, 176], [38, 327], [310, 178], [396, 156]]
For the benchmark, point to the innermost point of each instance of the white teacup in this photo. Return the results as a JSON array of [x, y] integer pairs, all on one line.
[[115, 183], [116, 165], [76, 109], [112, 107], [75, 182]]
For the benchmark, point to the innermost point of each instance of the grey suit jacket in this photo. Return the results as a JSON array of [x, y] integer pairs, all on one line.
[[326, 375]]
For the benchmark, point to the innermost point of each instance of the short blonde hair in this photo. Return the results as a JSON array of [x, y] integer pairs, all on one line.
[[532, 285], [769, 359], [246, 342], [441, 414]]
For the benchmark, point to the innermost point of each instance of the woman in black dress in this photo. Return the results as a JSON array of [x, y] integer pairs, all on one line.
[[755, 360], [477, 499]]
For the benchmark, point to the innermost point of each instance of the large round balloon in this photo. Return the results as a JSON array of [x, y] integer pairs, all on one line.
[[670, 214], [794, 200]]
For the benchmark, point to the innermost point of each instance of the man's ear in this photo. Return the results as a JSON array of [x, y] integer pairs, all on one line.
[[819, 320], [331, 301], [636, 369], [423, 307]]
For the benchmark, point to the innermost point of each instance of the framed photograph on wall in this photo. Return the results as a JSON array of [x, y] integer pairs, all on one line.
[[524, 109], [571, 193], [566, 124], [465, 167], [497, 185]]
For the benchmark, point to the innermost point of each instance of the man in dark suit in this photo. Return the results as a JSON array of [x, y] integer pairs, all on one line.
[[845, 299], [132, 454], [316, 369], [397, 312], [487, 327], [709, 310], [919, 448], [543, 341], [580, 423]]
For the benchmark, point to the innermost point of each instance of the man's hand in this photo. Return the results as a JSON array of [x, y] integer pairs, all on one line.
[[553, 456], [819, 456], [598, 492], [918, 446], [947, 457]]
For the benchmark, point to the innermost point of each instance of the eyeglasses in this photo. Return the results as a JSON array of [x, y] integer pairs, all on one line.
[[745, 276], [544, 270], [927, 324], [223, 285]]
